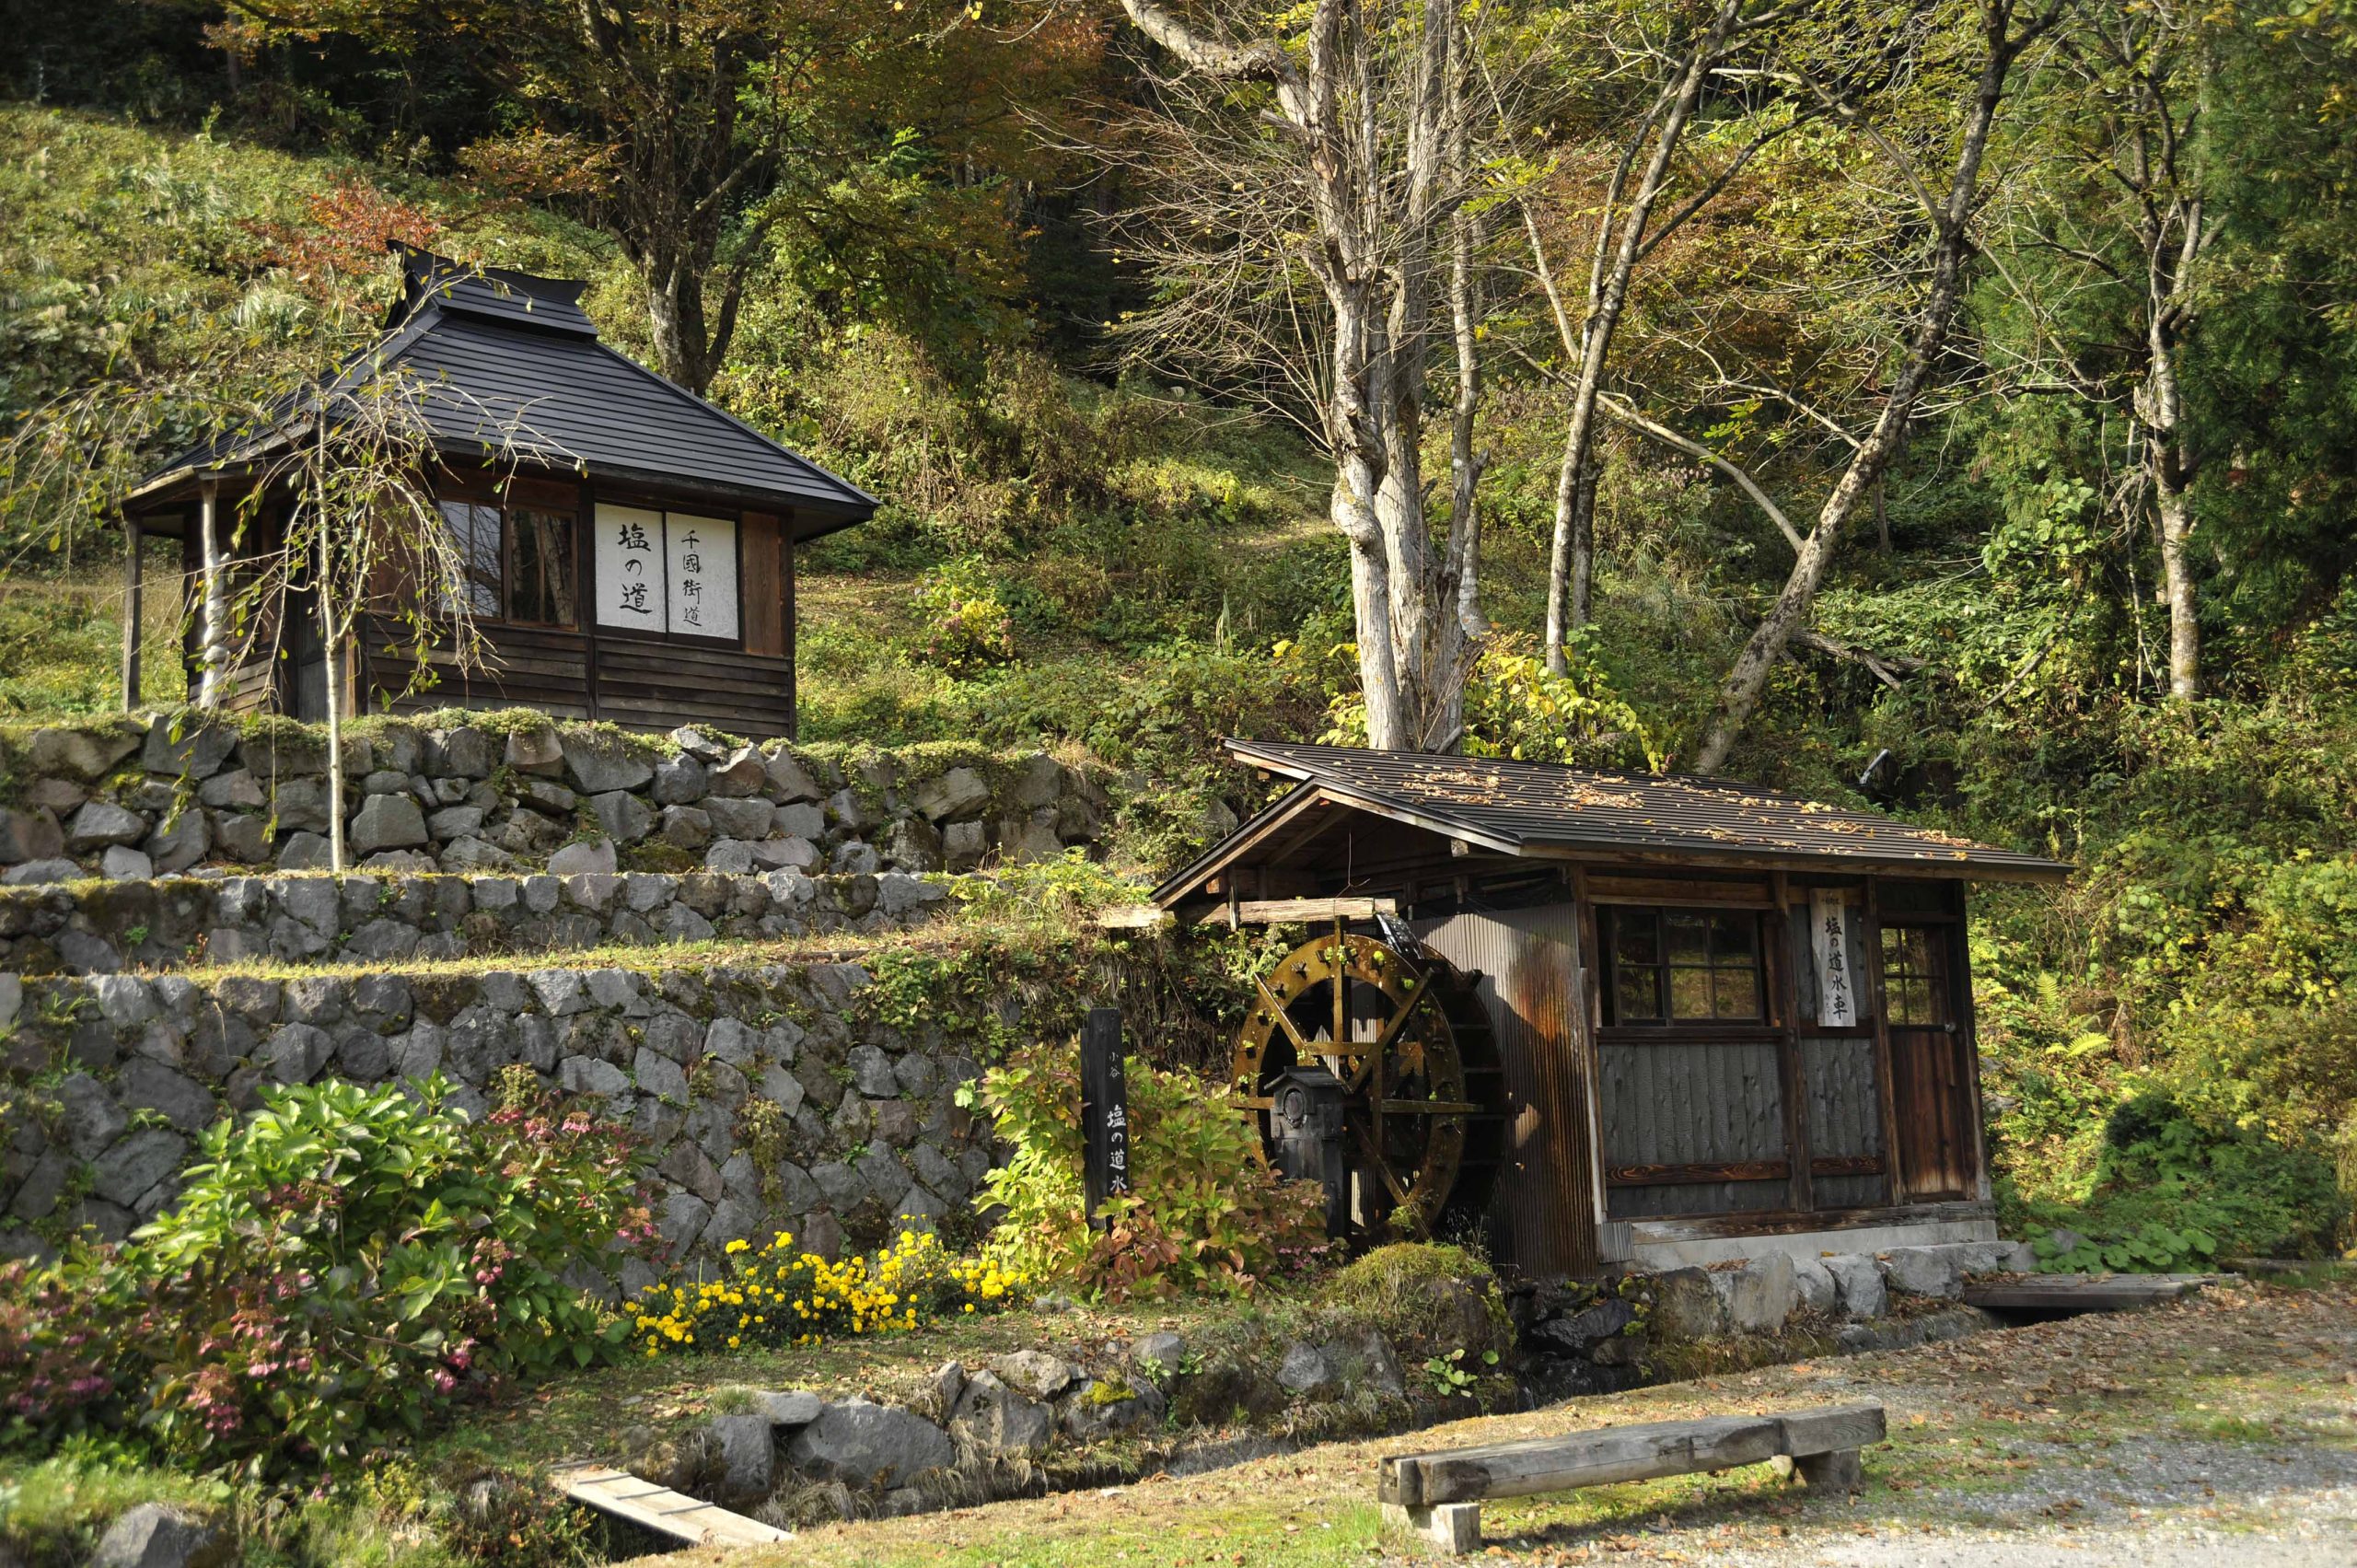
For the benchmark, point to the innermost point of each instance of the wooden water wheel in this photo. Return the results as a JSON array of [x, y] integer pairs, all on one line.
[[1412, 1048]]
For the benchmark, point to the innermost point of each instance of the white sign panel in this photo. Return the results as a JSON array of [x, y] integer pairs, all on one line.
[[630, 568], [703, 558], [1837, 993]]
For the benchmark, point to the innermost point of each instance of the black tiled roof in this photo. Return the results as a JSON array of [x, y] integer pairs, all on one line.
[[1533, 807], [509, 361]]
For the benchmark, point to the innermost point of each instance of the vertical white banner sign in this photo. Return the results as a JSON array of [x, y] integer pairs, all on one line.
[[702, 559], [630, 568], [1837, 994]]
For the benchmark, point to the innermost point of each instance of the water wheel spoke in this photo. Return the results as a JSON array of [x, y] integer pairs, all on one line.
[[1382, 1167], [1302, 1048], [1400, 1019], [1429, 1107]]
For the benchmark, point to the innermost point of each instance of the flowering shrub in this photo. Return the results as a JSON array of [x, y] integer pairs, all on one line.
[[57, 1358], [775, 1296], [1207, 1213], [339, 1270], [968, 628]]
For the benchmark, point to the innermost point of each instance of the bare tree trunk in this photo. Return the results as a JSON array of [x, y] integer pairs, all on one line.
[[1464, 463], [1374, 159], [212, 597], [2160, 408], [1740, 694], [330, 647], [1571, 576]]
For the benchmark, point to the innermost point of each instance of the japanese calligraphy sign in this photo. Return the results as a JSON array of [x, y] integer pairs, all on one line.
[[703, 559], [667, 572], [1837, 993], [1103, 1108], [630, 568]]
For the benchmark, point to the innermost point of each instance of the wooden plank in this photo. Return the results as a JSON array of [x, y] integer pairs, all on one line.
[[2079, 1292], [1618, 1454], [1288, 912], [642, 1503], [1133, 917], [1833, 1430], [1585, 1459], [764, 587], [1698, 1170], [1681, 891]]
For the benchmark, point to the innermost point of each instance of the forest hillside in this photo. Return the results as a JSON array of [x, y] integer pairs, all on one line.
[[2060, 618]]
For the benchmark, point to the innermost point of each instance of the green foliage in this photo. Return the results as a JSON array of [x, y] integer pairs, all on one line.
[[2172, 1194], [340, 1268], [1205, 1213], [969, 629]]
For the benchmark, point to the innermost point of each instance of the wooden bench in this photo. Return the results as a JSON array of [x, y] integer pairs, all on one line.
[[1437, 1498]]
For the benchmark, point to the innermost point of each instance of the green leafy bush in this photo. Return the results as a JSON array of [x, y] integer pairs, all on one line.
[[967, 628], [340, 1270], [1206, 1214], [2173, 1194]]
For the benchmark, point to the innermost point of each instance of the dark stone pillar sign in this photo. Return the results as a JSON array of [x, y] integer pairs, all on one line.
[[1103, 1109]]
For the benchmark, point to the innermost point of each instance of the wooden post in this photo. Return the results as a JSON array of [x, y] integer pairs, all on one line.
[[1894, 1162], [132, 540], [786, 576], [1783, 996], [1103, 1109]]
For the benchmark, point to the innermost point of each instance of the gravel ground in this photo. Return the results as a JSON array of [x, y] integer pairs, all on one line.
[[2212, 1434]]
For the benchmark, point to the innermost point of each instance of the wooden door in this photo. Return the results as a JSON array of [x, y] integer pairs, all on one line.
[[1931, 1079]]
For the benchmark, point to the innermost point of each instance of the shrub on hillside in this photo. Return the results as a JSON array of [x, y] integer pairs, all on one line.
[[1205, 1213], [2173, 1192], [340, 1269]]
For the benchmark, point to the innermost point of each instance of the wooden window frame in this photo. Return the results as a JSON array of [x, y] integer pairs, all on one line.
[[1668, 1027], [500, 498]]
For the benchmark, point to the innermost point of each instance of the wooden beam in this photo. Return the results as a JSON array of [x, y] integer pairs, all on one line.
[[1133, 917], [133, 539], [1291, 911], [1619, 1454], [657, 1508]]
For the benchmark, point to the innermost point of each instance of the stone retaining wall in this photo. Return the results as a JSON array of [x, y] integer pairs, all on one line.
[[170, 923], [1596, 1338], [768, 1100], [158, 795]]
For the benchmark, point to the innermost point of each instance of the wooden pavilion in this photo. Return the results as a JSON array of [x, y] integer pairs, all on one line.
[[629, 546], [1723, 1018]]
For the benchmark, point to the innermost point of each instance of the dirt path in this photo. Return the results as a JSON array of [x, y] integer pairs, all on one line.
[[2215, 1433]]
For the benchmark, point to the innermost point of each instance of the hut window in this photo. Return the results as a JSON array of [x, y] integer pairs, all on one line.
[[1912, 986], [475, 535], [1683, 966], [516, 564], [541, 566]]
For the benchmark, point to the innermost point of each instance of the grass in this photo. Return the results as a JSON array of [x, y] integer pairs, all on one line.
[[1977, 1426]]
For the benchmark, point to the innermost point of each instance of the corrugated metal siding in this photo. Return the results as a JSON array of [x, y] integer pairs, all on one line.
[[1542, 1208], [1693, 1104]]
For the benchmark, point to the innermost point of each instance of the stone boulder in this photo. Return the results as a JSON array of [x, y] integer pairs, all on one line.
[[1687, 1307], [863, 1443], [1034, 1373], [745, 1455], [387, 821], [1857, 1284], [152, 1536], [1923, 1271], [1307, 1372], [1760, 1294], [993, 1422]]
